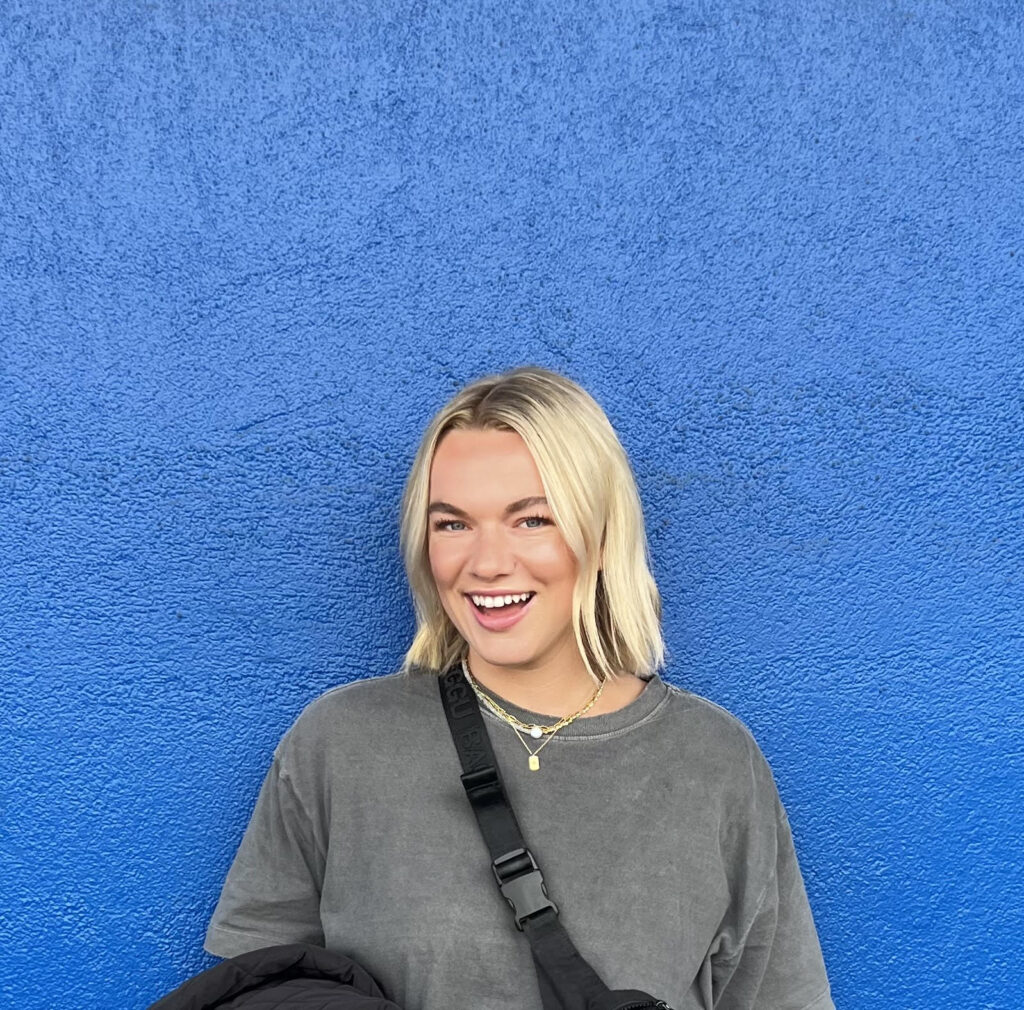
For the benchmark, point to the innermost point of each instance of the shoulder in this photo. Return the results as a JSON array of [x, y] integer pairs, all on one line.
[[369, 696], [729, 779], [718, 747], [707, 721], [356, 715]]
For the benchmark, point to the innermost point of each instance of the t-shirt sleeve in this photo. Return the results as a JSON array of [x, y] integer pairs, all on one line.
[[272, 891], [778, 965]]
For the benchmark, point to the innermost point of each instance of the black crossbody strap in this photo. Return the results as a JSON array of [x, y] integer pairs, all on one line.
[[566, 980]]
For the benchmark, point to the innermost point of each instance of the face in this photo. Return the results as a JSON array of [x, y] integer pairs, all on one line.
[[493, 536]]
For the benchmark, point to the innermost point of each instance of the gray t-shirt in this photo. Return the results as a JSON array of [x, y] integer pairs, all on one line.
[[658, 828]]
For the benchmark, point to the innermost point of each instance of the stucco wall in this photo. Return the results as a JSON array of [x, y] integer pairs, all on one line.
[[246, 251]]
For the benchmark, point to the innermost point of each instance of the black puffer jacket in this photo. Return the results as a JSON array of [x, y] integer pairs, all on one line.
[[293, 976]]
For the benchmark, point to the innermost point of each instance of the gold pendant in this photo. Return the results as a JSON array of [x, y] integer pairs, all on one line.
[[534, 763]]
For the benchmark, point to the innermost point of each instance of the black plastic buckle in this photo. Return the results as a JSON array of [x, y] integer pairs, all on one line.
[[520, 881]]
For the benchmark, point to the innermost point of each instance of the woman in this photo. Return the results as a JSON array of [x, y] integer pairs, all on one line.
[[652, 812]]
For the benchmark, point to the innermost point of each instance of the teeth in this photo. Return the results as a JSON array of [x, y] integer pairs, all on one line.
[[490, 602]]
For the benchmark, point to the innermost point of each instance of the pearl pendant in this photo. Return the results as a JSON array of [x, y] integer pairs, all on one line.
[[536, 732]]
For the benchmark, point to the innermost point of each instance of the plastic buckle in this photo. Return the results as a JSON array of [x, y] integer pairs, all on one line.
[[520, 882]]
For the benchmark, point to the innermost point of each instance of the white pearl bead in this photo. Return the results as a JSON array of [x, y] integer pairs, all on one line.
[[536, 732]]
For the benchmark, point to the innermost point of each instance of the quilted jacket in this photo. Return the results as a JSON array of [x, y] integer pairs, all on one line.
[[292, 976]]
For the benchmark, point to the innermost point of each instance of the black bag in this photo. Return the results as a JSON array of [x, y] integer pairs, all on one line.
[[296, 976], [566, 980]]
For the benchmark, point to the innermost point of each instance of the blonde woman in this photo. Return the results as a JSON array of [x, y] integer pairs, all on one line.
[[652, 811]]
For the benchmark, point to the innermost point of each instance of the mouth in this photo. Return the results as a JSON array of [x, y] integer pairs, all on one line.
[[498, 616]]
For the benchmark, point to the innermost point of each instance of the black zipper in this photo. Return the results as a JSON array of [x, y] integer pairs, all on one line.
[[660, 1005]]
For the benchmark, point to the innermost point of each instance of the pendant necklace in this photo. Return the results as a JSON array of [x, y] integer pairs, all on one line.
[[534, 731]]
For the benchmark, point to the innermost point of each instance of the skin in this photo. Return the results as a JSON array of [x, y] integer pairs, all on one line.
[[491, 531]]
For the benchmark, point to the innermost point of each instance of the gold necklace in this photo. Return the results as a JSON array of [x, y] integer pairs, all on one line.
[[535, 731]]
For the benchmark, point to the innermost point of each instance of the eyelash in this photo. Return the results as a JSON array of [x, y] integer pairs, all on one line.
[[442, 524]]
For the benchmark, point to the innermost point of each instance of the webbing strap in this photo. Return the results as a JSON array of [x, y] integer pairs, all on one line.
[[566, 980]]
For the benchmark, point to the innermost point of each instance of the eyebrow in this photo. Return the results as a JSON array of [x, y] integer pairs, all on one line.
[[516, 506]]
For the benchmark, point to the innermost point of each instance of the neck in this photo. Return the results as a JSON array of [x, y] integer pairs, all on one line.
[[558, 687]]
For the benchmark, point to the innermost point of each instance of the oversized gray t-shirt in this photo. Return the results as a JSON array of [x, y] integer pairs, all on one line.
[[658, 828]]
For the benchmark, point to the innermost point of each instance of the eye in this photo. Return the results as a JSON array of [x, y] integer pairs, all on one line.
[[447, 524], [536, 522]]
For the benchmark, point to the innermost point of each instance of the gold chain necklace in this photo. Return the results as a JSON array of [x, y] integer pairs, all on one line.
[[535, 731]]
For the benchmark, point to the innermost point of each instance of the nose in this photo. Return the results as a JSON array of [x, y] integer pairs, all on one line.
[[492, 554]]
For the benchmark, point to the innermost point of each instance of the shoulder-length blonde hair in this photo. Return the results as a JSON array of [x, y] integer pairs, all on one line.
[[594, 500]]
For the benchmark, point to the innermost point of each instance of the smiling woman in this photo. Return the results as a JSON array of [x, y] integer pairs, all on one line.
[[654, 814], [522, 476], [500, 551]]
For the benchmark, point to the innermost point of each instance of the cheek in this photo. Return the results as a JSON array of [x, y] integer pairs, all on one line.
[[553, 561], [444, 564]]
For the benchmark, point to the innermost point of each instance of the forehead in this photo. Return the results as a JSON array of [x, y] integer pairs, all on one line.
[[483, 465]]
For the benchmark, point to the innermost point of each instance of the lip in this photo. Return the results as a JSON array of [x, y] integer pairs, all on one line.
[[499, 621]]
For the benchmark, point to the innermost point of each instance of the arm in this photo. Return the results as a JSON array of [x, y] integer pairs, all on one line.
[[272, 891], [777, 965]]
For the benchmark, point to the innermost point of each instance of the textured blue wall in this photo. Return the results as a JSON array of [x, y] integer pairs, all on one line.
[[247, 250]]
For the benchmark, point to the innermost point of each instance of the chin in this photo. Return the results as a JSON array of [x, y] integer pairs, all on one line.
[[510, 656]]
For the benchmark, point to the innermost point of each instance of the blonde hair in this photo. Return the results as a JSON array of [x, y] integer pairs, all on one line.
[[592, 494]]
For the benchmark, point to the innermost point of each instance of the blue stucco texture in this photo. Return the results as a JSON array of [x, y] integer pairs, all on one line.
[[247, 250]]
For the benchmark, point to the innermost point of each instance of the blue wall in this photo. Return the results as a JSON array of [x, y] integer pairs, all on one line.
[[247, 250]]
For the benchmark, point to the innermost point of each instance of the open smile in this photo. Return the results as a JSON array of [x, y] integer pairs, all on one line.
[[498, 613]]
